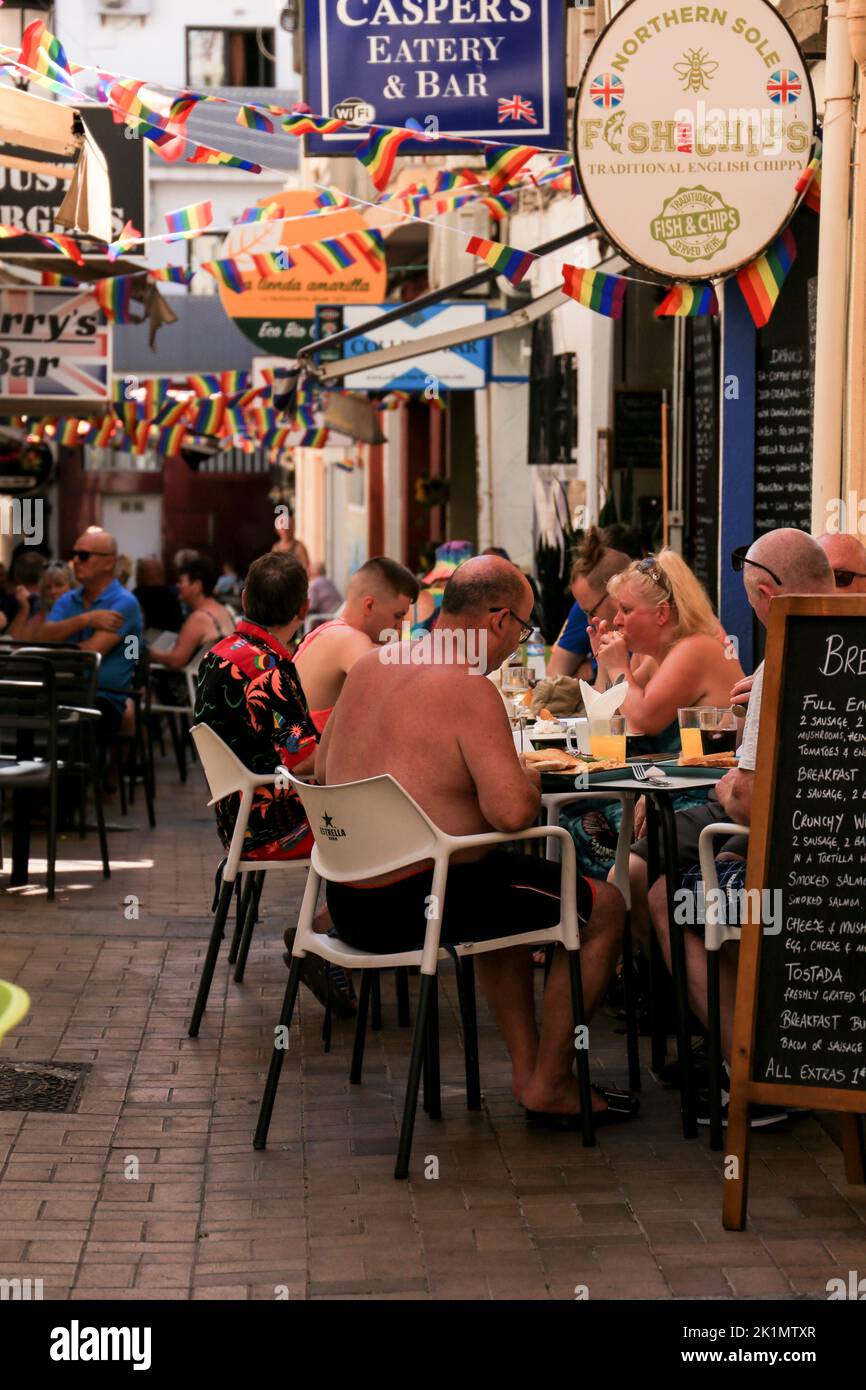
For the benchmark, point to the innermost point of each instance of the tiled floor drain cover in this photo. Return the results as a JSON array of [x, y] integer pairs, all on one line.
[[42, 1085]]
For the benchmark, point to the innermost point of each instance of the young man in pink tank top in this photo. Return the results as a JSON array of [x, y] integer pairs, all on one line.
[[378, 598]]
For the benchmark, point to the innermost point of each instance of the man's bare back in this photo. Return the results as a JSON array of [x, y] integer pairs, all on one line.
[[323, 664], [441, 732]]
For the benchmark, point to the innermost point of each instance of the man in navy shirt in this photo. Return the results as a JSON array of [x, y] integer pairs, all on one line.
[[100, 616]]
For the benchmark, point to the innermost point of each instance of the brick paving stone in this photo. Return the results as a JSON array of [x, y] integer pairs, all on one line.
[[514, 1214]]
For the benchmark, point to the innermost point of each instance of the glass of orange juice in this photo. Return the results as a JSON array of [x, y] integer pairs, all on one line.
[[607, 738], [690, 732]]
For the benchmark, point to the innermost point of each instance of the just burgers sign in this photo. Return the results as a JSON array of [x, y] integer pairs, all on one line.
[[692, 126]]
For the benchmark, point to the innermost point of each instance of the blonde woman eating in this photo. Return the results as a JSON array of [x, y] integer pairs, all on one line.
[[668, 645]]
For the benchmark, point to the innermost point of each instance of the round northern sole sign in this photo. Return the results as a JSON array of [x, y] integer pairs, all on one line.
[[692, 126]]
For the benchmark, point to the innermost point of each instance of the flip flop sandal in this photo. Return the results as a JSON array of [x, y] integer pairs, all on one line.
[[621, 1105]]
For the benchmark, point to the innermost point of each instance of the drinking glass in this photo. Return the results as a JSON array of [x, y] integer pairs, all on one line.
[[607, 737], [516, 680], [690, 732], [718, 731]]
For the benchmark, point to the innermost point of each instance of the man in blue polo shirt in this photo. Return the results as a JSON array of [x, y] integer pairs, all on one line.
[[100, 615]]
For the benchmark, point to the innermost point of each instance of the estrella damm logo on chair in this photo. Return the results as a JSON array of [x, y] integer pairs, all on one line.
[[332, 831]]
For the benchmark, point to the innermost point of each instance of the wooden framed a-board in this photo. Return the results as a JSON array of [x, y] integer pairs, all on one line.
[[800, 1015]]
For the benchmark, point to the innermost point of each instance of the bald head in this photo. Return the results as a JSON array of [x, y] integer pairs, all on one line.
[[845, 552], [486, 582], [97, 539], [796, 558], [94, 559]]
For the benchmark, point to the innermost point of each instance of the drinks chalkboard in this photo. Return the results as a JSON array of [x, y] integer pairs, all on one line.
[[637, 429], [800, 1021], [702, 534], [784, 390]]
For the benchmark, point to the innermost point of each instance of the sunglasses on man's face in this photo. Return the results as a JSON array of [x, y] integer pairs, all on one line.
[[84, 555], [845, 578], [739, 559]]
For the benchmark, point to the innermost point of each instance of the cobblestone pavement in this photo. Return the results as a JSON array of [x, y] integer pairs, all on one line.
[[152, 1189]]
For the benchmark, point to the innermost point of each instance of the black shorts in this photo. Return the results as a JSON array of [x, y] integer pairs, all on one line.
[[689, 825], [499, 895]]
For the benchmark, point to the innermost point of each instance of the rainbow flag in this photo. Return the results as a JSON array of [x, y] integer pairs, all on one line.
[[270, 262], [329, 256], [761, 281], [503, 259], [314, 439], [307, 125], [368, 245], [174, 274], [180, 108], [379, 151], [52, 277], [233, 381], [809, 182], [265, 214], [595, 290], [128, 238], [105, 431], [499, 205], [209, 417], [688, 301], [65, 245], [114, 297], [227, 272], [204, 384], [191, 219], [42, 53], [504, 163], [169, 441], [332, 198], [446, 179], [276, 438], [304, 418], [254, 119], [67, 432], [7, 231], [171, 413], [203, 154]]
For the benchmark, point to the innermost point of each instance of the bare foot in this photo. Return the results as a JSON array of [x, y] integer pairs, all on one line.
[[562, 1098]]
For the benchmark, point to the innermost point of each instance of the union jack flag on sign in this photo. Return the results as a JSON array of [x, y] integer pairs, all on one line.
[[54, 345], [516, 109], [606, 90], [783, 87]]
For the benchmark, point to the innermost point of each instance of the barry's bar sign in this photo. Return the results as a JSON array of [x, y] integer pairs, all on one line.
[[473, 67]]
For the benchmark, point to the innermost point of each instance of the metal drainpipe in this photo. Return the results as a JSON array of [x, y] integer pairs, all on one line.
[[855, 479], [832, 270]]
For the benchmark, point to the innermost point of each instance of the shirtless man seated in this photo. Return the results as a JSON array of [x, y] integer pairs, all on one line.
[[442, 731], [378, 598]]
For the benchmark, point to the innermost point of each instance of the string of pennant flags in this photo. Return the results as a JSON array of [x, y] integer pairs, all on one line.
[[43, 59]]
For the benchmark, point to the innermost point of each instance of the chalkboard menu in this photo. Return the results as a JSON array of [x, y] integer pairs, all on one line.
[[784, 390], [703, 530], [800, 1022], [637, 429]]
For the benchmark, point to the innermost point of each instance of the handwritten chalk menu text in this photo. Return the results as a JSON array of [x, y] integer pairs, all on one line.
[[703, 530], [811, 1016], [784, 390]]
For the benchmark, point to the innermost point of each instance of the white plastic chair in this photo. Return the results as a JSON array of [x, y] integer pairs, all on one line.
[[382, 829], [716, 933], [551, 804], [314, 619], [181, 711], [226, 774]]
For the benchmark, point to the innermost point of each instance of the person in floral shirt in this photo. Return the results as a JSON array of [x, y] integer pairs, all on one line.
[[249, 694]]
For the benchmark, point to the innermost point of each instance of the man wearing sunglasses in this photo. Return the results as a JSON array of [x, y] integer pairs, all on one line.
[[847, 558], [781, 562], [99, 615]]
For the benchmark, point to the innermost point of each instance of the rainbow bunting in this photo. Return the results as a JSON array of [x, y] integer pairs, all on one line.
[[171, 413], [67, 432], [306, 125], [332, 198], [128, 238], [254, 119], [329, 256], [503, 259], [42, 53], [761, 281], [499, 205], [227, 272], [105, 431], [203, 154], [174, 274], [313, 439], [379, 151], [265, 214], [209, 417], [65, 245], [276, 438], [140, 438], [169, 441], [503, 164], [688, 301], [595, 290], [809, 181], [446, 179], [182, 106], [114, 297], [204, 384], [191, 219], [52, 277], [367, 245], [304, 418], [270, 262], [233, 381]]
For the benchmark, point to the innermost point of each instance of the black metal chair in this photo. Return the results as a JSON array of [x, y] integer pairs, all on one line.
[[75, 676], [28, 707], [135, 750]]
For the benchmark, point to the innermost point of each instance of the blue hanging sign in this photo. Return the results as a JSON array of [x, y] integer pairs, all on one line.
[[473, 67]]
